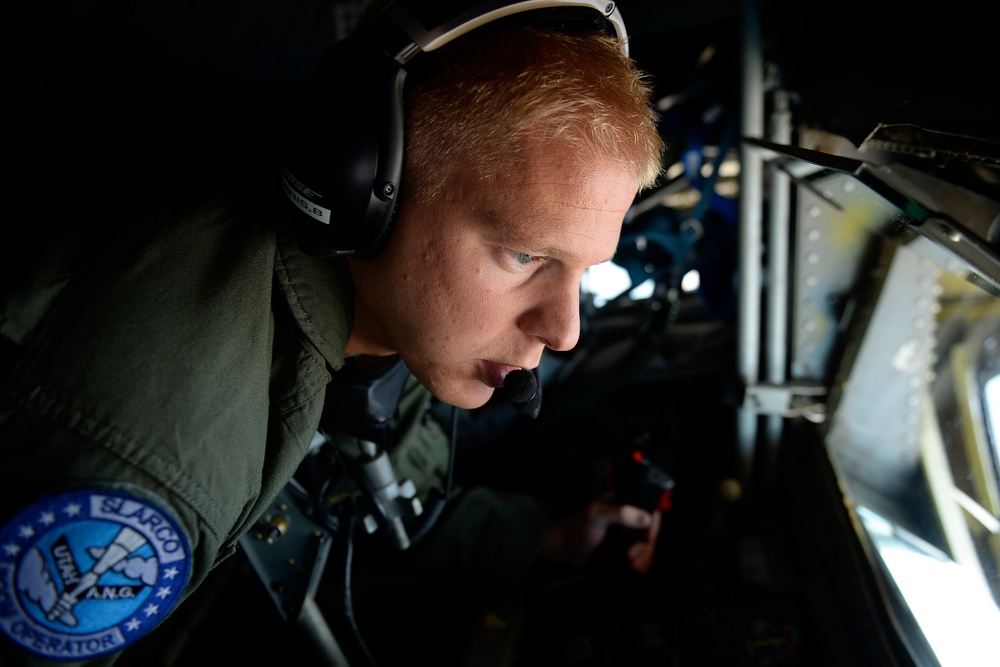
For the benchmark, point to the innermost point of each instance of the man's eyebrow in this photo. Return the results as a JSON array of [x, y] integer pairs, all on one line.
[[512, 237]]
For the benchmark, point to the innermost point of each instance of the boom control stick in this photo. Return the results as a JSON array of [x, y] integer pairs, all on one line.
[[640, 483]]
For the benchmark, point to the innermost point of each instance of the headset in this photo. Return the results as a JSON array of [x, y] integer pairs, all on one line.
[[341, 171]]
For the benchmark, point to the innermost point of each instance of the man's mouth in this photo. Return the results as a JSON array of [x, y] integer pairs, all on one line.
[[496, 373]]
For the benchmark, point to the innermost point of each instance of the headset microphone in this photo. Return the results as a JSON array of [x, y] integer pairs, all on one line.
[[524, 391]]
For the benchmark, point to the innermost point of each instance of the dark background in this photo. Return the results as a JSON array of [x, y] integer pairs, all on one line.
[[193, 81]]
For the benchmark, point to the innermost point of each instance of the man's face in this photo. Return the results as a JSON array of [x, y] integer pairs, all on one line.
[[478, 282]]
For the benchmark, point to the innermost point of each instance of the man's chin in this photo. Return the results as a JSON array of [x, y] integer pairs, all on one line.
[[469, 397]]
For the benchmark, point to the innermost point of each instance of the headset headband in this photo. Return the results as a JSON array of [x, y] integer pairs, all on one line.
[[422, 38]]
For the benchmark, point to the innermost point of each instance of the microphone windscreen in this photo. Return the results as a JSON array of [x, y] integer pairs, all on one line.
[[520, 386], [530, 407]]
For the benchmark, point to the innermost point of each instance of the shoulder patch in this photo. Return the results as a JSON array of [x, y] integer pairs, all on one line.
[[87, 573]]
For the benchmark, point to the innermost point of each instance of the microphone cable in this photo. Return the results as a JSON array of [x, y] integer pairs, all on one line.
[[524, 390]]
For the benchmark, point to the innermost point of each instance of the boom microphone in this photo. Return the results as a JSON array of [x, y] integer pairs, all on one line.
[[524, 391]]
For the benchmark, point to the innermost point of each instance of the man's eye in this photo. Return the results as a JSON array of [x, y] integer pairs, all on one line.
[[521, 257]]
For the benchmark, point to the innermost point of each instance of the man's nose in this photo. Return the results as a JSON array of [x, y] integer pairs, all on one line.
[[554, 317]]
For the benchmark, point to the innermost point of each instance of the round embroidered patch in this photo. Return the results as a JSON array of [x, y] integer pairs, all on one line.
[[87, 573]]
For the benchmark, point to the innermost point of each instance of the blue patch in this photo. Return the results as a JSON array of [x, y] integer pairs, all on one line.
[[87, 573]]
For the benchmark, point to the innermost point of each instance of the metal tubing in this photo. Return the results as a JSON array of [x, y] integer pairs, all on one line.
[[778, 250], [750, 225], [313, 624]]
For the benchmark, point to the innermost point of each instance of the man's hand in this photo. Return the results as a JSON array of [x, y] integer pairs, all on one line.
[[573, 539]]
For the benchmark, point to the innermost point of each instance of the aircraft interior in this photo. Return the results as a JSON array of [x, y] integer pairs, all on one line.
[[795, 352]]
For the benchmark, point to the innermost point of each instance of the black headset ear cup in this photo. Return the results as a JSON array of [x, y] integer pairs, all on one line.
[[343, 166]]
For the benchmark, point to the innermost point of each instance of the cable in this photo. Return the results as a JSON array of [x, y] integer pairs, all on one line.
[[437, 500], [348, 596]]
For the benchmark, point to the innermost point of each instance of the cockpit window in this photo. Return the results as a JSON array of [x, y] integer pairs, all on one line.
[[913, 419]]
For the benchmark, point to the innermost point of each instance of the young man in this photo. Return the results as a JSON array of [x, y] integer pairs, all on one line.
[[168, 355]]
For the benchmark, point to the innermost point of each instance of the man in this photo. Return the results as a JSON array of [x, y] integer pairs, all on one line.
[[167, 355]]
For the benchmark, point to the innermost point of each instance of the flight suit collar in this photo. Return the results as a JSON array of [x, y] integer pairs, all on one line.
[[320, 295]]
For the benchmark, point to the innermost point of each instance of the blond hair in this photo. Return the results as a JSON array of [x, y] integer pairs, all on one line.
[[476, 104]]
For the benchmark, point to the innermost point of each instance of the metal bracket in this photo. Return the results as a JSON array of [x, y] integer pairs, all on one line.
[[787, 401], [289, 552]]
